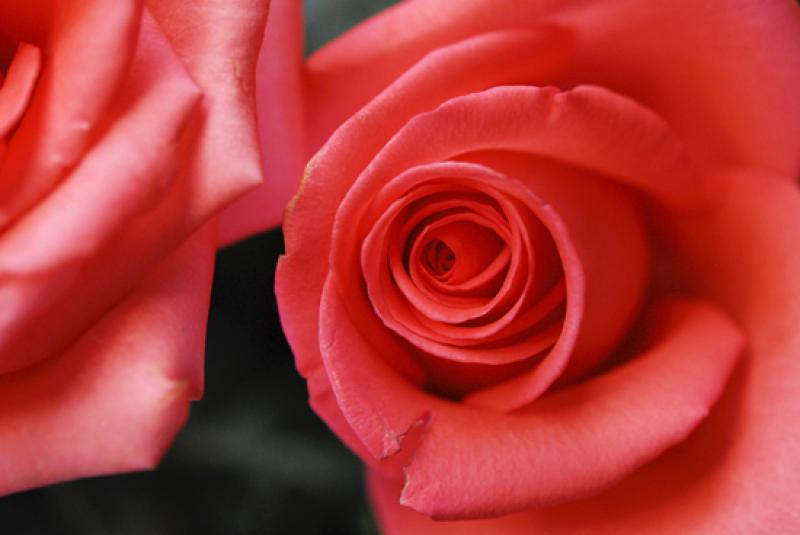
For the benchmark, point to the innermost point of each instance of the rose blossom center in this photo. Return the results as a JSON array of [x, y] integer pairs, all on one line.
[[457, 250], [463, 269], [439, 258]]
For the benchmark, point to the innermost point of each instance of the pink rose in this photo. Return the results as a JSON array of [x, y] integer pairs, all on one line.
[[125, 126], [542, 274]]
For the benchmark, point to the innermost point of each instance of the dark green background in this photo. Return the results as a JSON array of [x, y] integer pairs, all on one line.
[[253, 457]]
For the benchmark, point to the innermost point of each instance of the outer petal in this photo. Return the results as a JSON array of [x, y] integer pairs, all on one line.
[[43, 257], [279, 93], [533, 56], [586, 126], [607, 226], [745, 256], [115, 399], [671, 55], [218, 42], [396, 519], [573, 443]]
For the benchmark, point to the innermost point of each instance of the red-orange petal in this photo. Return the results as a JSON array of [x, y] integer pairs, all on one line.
[[575, 443], [114, 400]]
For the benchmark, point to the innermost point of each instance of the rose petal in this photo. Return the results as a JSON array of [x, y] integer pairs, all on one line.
[[280, 89], [607, 228], [396, 519], [89, 52], [16, 89], [44, 256], [115, 399], [218, 41], [506, 55], [750, 436], [667, 56], [576, 442], [588, 127]]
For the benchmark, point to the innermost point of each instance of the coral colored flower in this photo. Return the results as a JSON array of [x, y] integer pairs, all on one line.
[[541, 273], [125, 126]]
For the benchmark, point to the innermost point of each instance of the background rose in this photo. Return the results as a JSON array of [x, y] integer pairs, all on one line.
[[728, 135], [125, 127]]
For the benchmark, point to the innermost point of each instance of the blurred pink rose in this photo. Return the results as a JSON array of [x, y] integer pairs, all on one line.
[[125, 126]]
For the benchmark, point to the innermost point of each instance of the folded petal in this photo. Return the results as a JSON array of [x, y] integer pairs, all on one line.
[[280, 91], [218, 42], [396, 519], [113, 400], [44, 256], [533, 56], [587, 127], [88, 54], [573, 443], [750, 436], [668, 56], [606, 224], [149, 188], [16, 89]]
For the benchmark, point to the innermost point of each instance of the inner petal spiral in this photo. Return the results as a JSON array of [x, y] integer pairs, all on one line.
[[439, 258], [464, 270], [459, 250]]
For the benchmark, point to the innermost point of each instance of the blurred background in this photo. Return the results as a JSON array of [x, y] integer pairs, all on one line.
[[253, 458]]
